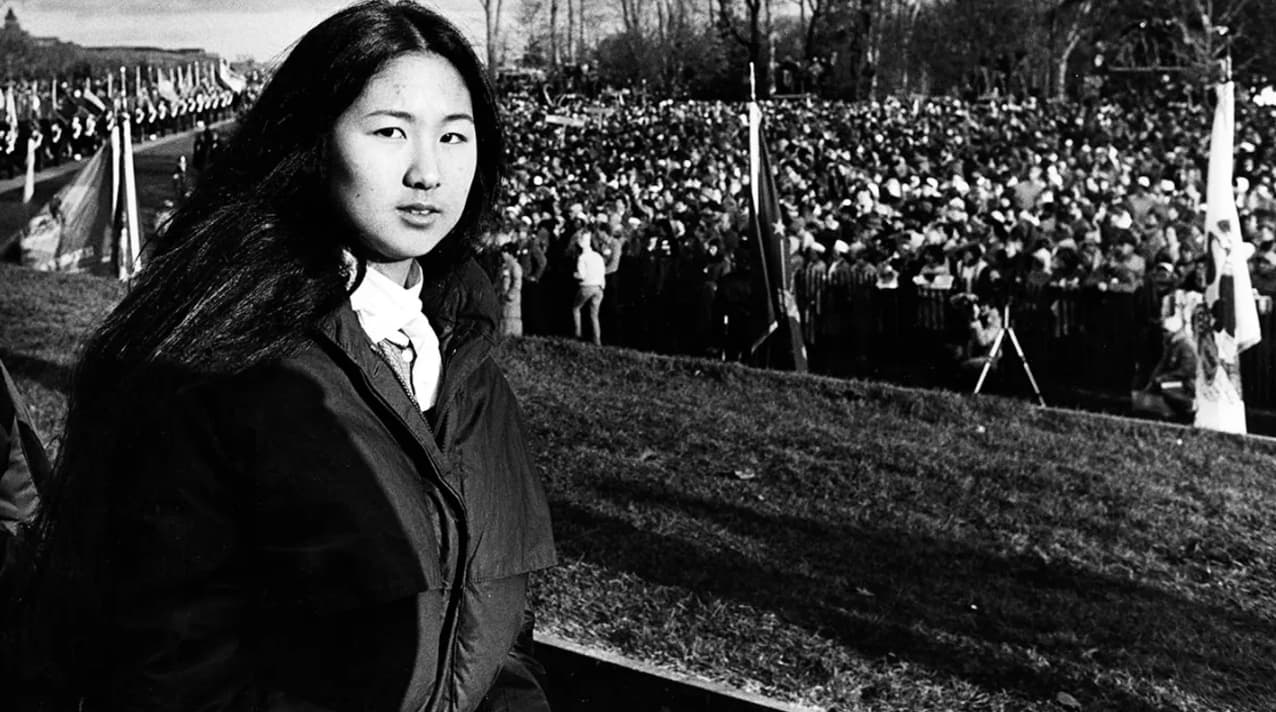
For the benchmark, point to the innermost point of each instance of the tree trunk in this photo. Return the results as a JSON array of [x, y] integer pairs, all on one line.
[[571, 32], [770, 51], [580, 25], [492, 10], [553, 33]]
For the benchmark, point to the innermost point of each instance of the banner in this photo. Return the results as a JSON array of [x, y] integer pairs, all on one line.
[[166, 89], [1225, 322], [229, 78], [562, 120], [128, 253], [72, 233], [770, 257]]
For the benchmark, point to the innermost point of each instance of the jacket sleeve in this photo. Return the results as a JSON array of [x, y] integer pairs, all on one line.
[[179, 599]]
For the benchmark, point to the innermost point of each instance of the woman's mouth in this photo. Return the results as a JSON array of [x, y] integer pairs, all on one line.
[[418, 214]]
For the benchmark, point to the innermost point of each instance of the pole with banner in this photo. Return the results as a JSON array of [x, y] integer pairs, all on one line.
[[132, 237], [1225, 321], [772, 256]]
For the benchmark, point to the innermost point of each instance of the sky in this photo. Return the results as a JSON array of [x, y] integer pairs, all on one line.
[[235, 29]]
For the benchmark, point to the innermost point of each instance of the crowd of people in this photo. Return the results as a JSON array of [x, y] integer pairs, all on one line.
[[968, 201]]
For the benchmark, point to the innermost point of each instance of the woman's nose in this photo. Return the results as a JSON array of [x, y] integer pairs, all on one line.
[[424, 172]]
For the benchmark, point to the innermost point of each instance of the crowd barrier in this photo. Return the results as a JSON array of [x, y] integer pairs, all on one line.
[[1081, 338]]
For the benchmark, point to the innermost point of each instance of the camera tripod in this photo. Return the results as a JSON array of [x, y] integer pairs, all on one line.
[[997, 344]]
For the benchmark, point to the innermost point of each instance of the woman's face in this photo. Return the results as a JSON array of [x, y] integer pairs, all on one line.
[[404, 155]]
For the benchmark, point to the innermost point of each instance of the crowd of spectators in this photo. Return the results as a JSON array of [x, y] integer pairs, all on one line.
[[935, 195]]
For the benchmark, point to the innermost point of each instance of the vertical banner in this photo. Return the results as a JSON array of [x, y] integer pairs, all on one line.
[[768, 229], [1225, 322], [28, 184], [130, 238]]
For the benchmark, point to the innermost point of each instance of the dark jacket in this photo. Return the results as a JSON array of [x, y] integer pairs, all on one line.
[[301, 535], [24, 469]]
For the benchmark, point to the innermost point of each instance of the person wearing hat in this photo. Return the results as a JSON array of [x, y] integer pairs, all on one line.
[[1125, 267], [835, 322]]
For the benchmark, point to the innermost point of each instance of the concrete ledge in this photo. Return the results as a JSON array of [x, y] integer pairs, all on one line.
[[584, 678]]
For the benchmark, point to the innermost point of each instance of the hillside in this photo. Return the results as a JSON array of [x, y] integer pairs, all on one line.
[[858, 546]]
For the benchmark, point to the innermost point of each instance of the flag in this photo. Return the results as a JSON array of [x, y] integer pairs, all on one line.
[[91, 100], [229, 78], [770, 258], [167, 90], [73, 231], [33, 142], [1225, 323], [10, 109]]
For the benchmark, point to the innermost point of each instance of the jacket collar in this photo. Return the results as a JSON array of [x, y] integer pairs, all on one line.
[[461, 305]]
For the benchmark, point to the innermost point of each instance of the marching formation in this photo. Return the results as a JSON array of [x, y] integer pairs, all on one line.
[[58, 120]]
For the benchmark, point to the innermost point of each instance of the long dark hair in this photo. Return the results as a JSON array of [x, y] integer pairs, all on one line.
[[247, 266]]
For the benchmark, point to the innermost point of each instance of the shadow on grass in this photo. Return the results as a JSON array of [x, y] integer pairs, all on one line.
[[1015, 623], [54, 376]]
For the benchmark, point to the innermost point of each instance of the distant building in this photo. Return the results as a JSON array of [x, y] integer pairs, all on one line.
[[13, 36], [13, 31]]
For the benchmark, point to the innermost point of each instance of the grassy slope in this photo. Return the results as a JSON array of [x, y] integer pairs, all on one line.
[[895, 550]]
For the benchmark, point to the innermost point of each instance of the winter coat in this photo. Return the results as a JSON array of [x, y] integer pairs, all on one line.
[[301, 536]]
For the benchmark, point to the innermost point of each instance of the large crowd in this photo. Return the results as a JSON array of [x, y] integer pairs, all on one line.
[[974, 201]]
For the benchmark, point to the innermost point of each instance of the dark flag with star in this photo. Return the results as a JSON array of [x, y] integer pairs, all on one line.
[[776, 315]]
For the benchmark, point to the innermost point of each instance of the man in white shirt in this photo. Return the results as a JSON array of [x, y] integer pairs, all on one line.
[[591, 275]]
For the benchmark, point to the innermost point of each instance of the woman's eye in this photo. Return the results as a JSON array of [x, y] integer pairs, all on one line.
[[391, 132], [454, 137]]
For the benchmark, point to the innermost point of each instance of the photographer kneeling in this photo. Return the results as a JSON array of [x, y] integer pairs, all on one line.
[[983, 325], [1171, 389]]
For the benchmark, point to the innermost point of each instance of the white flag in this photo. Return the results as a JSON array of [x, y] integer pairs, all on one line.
[[1226, 322]]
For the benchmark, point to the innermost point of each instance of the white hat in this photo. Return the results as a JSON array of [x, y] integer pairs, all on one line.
[[893, 189], [840, 247]]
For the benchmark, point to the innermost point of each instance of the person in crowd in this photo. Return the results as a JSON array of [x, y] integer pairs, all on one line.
[[1171, 387], [510, 291], [293, 475], [205, 137], [590, 274], [1125, 267], [532, 261], [982, 332], [180, 179]]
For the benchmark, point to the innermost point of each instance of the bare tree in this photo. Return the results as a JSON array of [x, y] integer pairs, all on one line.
[[631, 17], [1208, 28], [492, 16], [571, 32], [1069, 20], [756, 37], [818, 9], [556, 59]]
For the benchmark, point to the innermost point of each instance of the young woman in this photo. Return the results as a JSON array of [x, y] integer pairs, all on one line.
[[293, 476]]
